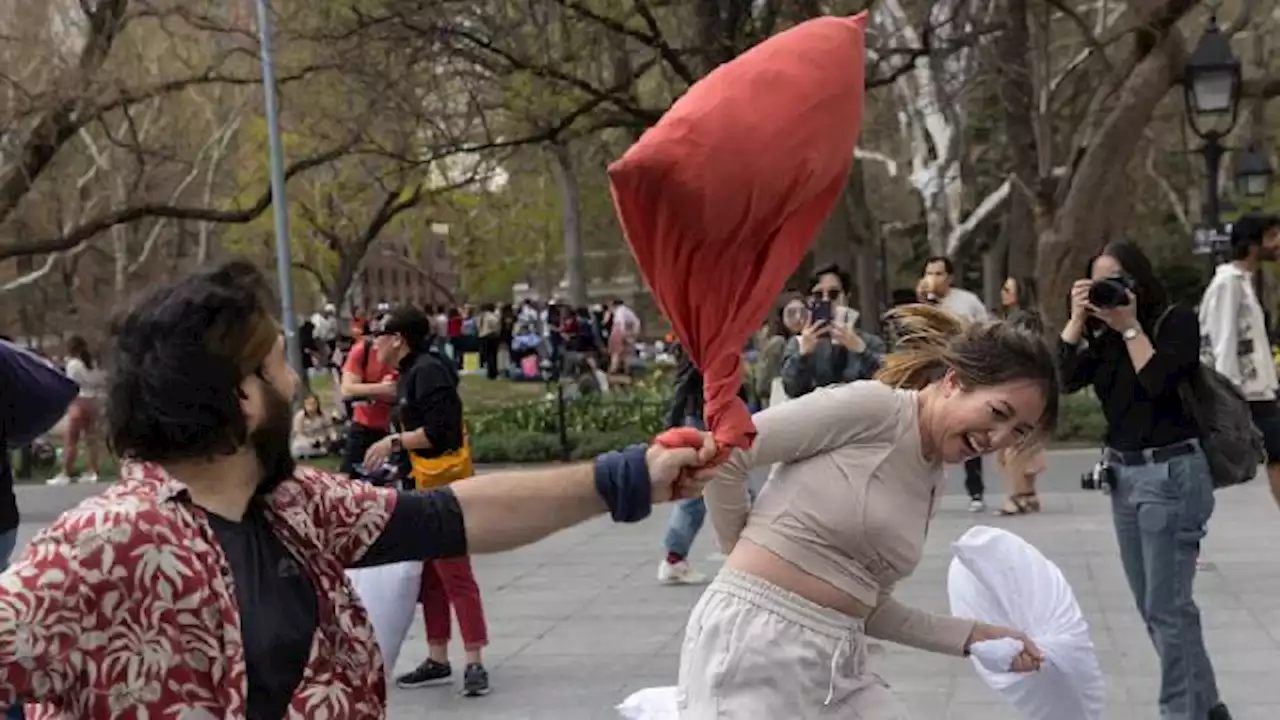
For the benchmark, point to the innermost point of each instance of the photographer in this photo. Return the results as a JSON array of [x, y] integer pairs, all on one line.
[[830, 349], [1127, 341]]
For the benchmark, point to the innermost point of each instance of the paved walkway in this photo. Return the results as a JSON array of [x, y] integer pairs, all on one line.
[[578, 621]]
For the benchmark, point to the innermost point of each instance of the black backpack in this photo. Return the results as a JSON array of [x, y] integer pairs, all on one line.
[[1231, 442]]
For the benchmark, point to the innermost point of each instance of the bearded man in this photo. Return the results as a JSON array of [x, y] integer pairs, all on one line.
[[209, 582]]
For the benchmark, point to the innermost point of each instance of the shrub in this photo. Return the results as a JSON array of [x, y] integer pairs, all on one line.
[[534, 447], [595, 413], [1080, 419]]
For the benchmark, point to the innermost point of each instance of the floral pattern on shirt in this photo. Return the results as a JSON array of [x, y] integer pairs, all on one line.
[[125, 607]]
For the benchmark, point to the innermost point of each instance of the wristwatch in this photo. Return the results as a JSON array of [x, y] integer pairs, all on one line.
[[1131, 333], [396, 445]]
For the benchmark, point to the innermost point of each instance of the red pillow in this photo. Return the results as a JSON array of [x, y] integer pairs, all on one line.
[[722, 198]]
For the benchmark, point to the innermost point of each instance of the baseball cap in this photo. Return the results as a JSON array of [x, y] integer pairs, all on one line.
[[408, 321]]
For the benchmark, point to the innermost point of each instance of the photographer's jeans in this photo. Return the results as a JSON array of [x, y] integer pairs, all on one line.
[[1160, 512]]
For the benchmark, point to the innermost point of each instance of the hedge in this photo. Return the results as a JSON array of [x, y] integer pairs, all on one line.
[[529, 433]]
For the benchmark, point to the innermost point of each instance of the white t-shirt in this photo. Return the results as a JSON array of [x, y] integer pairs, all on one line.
[[965, 304], [93, 383], [326, 327], [625, 321]]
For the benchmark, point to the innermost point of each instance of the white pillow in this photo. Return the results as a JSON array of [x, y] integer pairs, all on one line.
[[999, 578], [656, 703], [389, 594]]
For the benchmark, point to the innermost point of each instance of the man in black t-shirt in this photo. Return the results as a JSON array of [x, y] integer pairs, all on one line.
[[429, 418]]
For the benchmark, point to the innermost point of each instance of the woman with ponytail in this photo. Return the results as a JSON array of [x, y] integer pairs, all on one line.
[[782, 631]]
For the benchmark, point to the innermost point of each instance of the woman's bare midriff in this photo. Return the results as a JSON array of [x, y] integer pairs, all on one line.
[[749, 558]]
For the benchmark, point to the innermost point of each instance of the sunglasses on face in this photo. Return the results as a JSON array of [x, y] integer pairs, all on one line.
[[819, 295]]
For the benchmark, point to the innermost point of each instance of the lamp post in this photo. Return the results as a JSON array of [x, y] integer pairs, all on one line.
[[1212, 93], [284, 263], [1253, 173]]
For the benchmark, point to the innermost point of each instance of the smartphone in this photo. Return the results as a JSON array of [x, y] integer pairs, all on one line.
[[820, 311], [847, 316]]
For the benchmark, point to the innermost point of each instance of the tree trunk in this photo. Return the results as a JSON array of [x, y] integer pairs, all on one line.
[[1017, 243], [575, 259], [995, 268], [870, 286], [1080, 225]]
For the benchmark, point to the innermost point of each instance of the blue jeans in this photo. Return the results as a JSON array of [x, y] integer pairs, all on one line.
[[1160, 512], [8, 541], [686, 520]]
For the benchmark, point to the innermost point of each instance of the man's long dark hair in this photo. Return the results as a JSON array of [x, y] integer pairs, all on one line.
[[178, 356]]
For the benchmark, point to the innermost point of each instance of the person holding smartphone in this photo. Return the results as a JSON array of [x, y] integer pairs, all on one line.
[[830, 349]]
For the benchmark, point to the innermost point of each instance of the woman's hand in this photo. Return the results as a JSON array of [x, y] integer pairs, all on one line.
[[848, 337], [1121, 317], [1026, 661], [377, 454], [1080, 299], [813, 331]]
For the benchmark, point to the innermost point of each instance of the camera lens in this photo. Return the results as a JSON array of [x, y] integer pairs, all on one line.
[[1107, 293]]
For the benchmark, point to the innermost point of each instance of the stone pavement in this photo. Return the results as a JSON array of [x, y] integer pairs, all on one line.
[[578, 621]]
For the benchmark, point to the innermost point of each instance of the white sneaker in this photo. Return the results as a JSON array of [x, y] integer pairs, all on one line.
[[59, 480], [681, 573], [977, 506], [88, 478]]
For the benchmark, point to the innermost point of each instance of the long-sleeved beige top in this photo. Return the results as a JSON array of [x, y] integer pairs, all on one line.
[[848, 502]]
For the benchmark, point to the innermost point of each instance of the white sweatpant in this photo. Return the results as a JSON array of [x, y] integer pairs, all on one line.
[[753, 651]]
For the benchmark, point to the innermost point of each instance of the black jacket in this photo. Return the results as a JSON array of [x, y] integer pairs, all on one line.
[[427, 398]]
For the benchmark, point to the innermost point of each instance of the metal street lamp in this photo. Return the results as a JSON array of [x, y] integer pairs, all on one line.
[[284, 264], [1211, 88], [1253, 173]]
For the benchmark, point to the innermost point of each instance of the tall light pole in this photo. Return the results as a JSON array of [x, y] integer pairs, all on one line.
[[1212, 93], [279, 207]]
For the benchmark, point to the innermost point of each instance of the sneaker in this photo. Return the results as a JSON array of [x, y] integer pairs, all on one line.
[[88, 478], [1219, 712], [475, 681], [976, 505], [428, 673], [59, 480], [681, 573]]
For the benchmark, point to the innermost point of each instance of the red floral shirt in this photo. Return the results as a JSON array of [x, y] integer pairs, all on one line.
[[124, 607]]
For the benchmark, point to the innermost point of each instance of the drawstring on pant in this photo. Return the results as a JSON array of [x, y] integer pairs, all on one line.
[[835, 664]]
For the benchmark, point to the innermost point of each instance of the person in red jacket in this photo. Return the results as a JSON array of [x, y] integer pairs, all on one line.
[[370, 386]]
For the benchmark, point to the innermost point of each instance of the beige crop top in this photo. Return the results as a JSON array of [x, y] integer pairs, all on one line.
[[849, 501]]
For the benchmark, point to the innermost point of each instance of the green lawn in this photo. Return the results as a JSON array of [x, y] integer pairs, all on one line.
[[478, 393]]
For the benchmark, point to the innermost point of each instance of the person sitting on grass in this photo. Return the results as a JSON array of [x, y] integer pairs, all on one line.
[[313, 432]]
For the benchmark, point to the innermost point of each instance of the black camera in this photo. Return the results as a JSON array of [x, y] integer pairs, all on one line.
[[384, 475], [1101, 477], [1110, 292]]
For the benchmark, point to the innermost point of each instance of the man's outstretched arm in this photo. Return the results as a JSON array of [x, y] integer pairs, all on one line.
[[501, 511]]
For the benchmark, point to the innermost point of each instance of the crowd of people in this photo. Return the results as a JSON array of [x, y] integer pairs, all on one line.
[[508, 340], [212, 516]]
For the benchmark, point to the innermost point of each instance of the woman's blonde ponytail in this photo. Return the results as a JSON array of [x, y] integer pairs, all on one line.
[[921, 334]]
